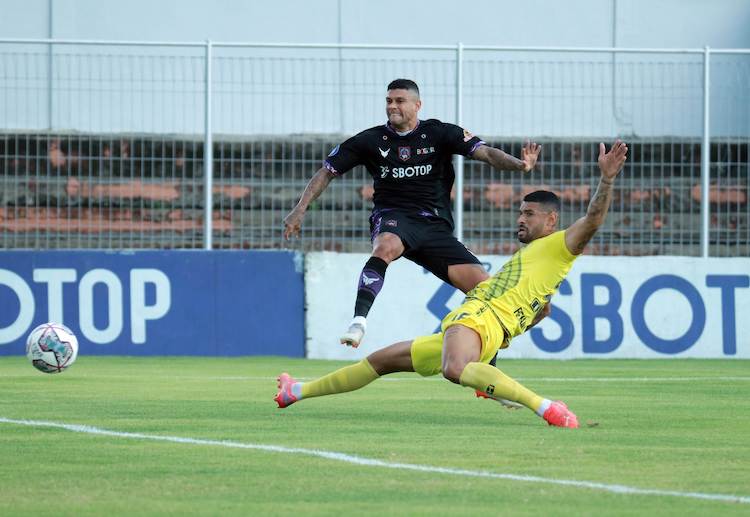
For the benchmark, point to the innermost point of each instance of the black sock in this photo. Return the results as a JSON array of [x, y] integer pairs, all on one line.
[[370, 282]]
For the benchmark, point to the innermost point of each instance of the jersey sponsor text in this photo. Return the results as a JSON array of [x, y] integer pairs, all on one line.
[[410, 172]]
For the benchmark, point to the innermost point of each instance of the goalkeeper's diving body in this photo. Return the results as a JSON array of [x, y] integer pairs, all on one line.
[[495, 311]]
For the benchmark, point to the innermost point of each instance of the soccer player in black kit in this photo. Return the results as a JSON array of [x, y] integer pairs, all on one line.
[[410, 161]]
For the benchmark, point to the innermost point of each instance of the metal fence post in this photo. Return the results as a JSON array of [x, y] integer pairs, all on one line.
[[459, 162], [50, 65], [208, 167], [706, 157], [341, 69]]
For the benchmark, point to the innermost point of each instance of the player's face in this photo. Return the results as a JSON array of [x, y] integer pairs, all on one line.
[[402, 107], [534, 221]]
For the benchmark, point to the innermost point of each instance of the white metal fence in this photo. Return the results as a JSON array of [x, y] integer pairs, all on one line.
[[104, 143]]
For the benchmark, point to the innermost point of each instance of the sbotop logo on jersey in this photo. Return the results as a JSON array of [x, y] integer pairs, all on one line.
[[410, 172]]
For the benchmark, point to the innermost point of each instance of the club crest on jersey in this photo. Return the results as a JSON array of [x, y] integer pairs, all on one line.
[[404, 153]]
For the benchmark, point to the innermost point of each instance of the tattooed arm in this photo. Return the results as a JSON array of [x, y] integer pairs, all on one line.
[[318, 183], [610, 164]]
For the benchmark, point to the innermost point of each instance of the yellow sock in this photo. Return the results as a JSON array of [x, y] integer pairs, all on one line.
[[489, 379], [349, 378]]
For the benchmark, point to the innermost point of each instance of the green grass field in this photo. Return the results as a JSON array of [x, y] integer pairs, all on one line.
[[680, 426]]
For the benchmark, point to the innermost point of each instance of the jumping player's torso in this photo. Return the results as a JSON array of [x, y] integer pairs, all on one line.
[[411, 172], [526, 282]]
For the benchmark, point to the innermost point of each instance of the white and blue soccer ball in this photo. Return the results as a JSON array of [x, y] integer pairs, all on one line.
[[51, 347]]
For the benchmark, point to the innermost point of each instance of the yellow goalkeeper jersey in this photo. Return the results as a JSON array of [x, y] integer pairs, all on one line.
[[517, 292]]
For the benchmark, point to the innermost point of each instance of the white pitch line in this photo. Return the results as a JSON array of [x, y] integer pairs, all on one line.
[[525, 379], [435, 378], [369, 462], [634, 379]]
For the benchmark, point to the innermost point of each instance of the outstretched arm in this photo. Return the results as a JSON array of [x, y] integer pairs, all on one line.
[[502, 161], [317, 184], [610, 164], [541, 315]]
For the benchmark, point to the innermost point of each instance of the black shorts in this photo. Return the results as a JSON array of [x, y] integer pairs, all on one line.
[[428, 241]]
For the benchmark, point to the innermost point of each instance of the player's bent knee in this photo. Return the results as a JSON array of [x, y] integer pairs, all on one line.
[[388, 247], [466, 276], [452, 371]]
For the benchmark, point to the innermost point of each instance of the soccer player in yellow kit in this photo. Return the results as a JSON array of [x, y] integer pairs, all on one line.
[[495, 311]]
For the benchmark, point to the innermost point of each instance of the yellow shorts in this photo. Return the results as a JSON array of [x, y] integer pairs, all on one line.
[[427, 351]]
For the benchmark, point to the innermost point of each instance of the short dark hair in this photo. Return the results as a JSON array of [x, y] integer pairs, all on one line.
[[404, 84], [544, 197]]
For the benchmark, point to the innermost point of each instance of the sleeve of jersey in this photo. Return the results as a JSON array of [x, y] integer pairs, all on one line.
[[461, 141], [343, 157], [559, 248]]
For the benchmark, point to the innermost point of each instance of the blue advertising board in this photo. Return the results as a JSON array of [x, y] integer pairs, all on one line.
[[203, 303]]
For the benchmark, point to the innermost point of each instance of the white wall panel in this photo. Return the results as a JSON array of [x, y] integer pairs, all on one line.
[[651, 307]]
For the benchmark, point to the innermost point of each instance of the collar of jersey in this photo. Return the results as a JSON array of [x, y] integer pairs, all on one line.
[[390, 128]]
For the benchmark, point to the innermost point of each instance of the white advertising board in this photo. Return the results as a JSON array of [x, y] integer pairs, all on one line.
[[608, 307]]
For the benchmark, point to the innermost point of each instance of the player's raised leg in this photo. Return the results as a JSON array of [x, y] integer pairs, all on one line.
[[387, 247], [462, 349], [394, 358], [466, 277], [348, 378]]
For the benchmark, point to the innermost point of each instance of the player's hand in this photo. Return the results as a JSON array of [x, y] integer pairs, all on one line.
[[293, 223], [611, 163], [546, 309], [529, 155]]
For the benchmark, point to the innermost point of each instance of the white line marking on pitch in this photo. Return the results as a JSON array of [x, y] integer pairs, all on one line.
[[525, 379], [725, 378], [368, 462]]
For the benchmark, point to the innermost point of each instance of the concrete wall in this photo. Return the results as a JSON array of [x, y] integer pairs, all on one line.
[[289, 91], [624, 23]]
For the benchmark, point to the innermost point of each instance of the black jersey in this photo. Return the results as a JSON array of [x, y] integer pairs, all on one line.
[[413, 172]]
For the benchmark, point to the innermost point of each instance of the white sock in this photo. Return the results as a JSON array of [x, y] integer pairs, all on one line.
[[360, 320], [545, 404], [297, 390]]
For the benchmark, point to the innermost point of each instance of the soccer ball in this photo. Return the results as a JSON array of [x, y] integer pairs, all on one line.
[[51, 347]]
